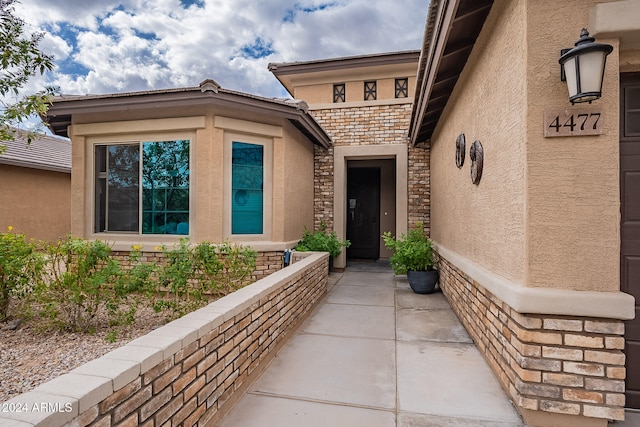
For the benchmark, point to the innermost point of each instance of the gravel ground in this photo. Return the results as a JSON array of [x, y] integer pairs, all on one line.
[[29, 358]]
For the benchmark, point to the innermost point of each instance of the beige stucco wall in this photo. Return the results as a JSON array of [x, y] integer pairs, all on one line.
[[318, 91], [486, 222], [546, 213], [572, 183], [35, 202], [295, 202]]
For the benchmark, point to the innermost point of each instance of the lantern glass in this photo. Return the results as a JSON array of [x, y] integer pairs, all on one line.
[[591, 71], [584, 68], [570, 75]]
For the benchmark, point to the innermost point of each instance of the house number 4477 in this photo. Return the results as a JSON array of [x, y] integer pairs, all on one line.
[[572, 123]]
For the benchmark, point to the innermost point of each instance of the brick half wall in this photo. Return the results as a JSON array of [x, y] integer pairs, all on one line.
[[572, 367], [187, 372], [266, 262]]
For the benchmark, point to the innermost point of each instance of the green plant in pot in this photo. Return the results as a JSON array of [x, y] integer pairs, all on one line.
[[413, 256], [322, 240]]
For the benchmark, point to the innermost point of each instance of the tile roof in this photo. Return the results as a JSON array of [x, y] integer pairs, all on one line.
[[45, 152], [59, 114]]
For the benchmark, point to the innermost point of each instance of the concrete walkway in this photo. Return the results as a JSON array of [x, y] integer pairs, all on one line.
[[374, 353]]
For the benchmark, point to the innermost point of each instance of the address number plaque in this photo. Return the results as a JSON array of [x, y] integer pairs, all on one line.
[[573, 123]]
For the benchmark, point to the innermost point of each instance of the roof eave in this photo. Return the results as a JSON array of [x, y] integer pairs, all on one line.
[[451, 32], [302, 67], [33, 165], [62, 109]]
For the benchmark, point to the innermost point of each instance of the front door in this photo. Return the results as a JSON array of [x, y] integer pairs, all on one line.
[[630, 225], [363, 212]]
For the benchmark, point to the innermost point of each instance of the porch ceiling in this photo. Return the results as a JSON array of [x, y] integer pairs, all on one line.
[[451, 32]]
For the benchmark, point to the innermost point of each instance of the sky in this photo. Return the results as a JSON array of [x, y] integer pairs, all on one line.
[[111, 46]]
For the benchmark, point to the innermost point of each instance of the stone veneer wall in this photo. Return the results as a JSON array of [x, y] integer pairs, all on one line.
[[371, 125], [266, 263], [323, 187], [556, 364], [187, 372], [419, 187]]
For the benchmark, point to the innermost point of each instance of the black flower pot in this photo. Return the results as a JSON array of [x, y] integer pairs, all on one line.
[[423, 282]]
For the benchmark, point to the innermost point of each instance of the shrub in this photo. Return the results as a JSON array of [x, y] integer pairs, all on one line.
[[224, 267], [20, 268], [82, 279], [412, 251], [192, 274], [322, 241]]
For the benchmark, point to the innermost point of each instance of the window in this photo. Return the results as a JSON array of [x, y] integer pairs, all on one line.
[[247, 188], [154, 172], [370, 91], [402, 88], [339, 93]]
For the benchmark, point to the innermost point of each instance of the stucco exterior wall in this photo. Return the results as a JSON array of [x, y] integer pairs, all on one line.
[[486, 222], [35, 202], [317, 92], [297, 183], [573, 182]]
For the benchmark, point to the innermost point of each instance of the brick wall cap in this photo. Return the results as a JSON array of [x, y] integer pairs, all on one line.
[[87, 389], [167, 344], [147, 357], [121, 372], [180, 331], [31, 418]]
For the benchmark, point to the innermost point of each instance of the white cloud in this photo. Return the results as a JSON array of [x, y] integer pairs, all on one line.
[[112, 46]]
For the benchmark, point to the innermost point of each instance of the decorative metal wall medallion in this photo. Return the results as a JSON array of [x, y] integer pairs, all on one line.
[[476, 155], [460, 150]]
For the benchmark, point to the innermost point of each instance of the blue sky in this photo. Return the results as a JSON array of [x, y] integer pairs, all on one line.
[[109, 46]]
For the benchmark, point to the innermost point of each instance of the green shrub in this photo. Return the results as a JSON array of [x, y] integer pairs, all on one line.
[[194, 274], [225, 267], [74, 282], [20, 268], [322, 241], [81, 280], [412, 251]]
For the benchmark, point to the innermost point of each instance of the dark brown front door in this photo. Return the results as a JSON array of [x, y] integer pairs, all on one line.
[[363, 212], [630, 224]]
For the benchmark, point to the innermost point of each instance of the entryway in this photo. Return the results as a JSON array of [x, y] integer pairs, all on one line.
[[630, 225], [370, 207]]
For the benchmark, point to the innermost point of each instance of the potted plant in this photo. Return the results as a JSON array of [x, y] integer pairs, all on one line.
[[413, 256], [322, 241]]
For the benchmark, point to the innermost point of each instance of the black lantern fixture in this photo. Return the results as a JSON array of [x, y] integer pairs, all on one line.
[[583, 68]]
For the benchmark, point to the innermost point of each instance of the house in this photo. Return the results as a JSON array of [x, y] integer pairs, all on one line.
[[534, 200], [33, 176], [526, 224], [200, 162], [531, 201]]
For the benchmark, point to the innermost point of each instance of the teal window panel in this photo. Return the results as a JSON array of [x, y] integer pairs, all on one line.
[[247, 188]]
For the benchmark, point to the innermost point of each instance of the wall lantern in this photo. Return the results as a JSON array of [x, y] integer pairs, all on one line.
[[583, 68]]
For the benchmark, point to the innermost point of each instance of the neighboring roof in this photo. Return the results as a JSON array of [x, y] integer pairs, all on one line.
[[208, 92], [451, 32], [45, 152], [335, 67]]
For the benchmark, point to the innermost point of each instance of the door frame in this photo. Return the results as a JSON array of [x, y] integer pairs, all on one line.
[[625, 79], [341, 155]]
